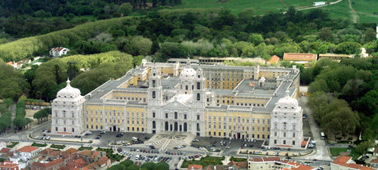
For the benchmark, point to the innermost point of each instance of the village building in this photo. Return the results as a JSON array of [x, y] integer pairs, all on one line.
[[346, 163], [304, 59], [9, 165], [273, 163], [58, 52]]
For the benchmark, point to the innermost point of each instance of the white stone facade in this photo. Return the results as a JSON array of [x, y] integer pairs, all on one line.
[[67, 112], [184, 111], [286, 124]]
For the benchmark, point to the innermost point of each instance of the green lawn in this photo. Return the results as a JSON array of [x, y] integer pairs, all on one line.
[[205, 161], [337, 151], [85, 148], [58, 146], [39, 144], [238, 159], [13, 144]]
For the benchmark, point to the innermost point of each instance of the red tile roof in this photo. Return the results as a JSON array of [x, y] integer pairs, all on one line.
[[240, 165], [274, 59], [27, 149], [50, 152], [195, 167], [374, 161], [261, 159], [49, 164], [95, 154], [342, 161], [8, 164], [300, 56], [5, 150]]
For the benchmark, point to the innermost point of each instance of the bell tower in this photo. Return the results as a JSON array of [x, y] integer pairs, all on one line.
[[155, 88], [199, 97]]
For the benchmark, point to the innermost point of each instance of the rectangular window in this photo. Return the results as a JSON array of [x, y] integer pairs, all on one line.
[[293, 135], [293, 142], [198, 117], [184, 116]]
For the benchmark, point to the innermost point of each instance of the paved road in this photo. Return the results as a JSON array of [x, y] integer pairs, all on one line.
[[321, 147]]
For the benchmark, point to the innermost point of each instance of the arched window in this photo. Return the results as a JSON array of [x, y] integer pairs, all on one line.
[[186, 87], [153, 83], [198, 97], [153, 94], [175, 115]]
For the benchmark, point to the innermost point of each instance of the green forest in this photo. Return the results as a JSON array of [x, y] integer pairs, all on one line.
[[113, 36]]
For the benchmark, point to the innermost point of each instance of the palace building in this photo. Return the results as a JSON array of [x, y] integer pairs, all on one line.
[[204, 100]]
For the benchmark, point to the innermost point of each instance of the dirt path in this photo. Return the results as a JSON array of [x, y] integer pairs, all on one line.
[[355, 16], [314, 7], [283, 2]]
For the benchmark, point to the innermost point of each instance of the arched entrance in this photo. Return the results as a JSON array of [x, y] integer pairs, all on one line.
[[185, 127], [176, 126]]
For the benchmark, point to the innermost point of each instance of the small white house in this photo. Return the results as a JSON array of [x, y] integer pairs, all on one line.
[[27, 152], [58, 51], [319, 3]]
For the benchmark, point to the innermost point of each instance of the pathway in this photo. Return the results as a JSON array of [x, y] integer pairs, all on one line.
[[321, 147], [354, 14], [314, 7]]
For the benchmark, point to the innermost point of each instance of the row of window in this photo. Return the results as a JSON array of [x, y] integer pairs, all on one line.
[[239, 120], [118, 113], [117, 121], [64, 129], [284, 134], [284, 125], [131, 98], [224, 134], [64, 122], [239, 127], [285, 142], [132, 129]]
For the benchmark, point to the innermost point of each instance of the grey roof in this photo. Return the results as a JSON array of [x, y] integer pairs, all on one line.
[[243, 89]]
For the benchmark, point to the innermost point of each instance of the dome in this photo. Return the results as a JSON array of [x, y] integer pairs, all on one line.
[[68, 91], [188, 73], [287, 101]]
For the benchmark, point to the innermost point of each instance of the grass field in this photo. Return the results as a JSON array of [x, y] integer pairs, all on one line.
[[236, 6], [367, 10], [205, 161], [337, 151]]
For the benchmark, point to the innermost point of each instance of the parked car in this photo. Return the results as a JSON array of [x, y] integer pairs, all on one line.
[[103, 132]]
